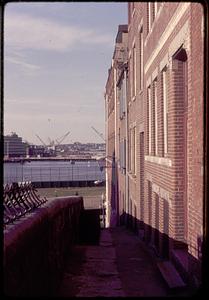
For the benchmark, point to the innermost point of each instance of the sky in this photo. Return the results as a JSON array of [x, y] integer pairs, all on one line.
[[56, 61]]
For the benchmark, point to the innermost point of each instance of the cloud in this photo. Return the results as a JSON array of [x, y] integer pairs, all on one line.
[[23, 101], [20, 62], [27, 32]]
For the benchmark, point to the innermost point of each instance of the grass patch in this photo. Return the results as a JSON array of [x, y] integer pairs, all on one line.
[[71, 191]]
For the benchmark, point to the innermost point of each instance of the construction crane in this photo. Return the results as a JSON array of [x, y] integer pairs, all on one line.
[[100, 134], [62, 138], [52, 142], [40, 140]]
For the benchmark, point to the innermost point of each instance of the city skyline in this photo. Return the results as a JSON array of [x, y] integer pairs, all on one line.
[[67, 46]]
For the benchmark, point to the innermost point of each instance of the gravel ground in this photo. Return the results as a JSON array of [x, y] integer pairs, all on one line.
[[70, 191]]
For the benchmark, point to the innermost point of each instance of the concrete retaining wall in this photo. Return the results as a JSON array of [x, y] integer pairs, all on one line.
[[35, 247]]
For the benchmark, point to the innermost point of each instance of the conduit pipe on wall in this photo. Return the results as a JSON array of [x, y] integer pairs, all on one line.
[[107, 200], [126, 115], [115, 212]]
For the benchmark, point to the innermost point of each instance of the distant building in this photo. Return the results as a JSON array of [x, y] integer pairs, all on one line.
[[14, 146], [34, 150]]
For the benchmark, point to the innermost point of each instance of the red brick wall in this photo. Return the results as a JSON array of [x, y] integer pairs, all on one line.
[[183, 180], [166, 193], [168, 178], [195, 133]]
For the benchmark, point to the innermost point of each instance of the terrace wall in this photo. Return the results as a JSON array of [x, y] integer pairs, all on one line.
[[35, 247]]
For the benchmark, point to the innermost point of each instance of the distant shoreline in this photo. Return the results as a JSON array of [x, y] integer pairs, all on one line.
[[69, 158]]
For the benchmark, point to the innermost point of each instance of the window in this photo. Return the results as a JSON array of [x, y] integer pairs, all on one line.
[[133, 169], [129, 12], [165, 111], [155, 117], [149, 192], [132, 149], [149, 16], [129, 150], [154, 9], [149, 119], [141, 59], [132, 7], [134, 72], [122, 97], [122, 155]]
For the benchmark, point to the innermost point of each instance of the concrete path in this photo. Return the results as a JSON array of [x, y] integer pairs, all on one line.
[[138, 272], [118, 267], [91, 271]]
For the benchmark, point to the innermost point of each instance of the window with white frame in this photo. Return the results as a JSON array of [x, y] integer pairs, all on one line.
[[165, 110]]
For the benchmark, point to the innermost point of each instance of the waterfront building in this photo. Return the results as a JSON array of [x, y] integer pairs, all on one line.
[[156, 187], [14, 146], [34, 150]]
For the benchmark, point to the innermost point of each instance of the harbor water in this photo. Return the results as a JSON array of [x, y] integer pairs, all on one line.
[[53, 171]]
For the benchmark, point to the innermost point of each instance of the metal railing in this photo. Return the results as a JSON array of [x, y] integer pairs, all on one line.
[[18, 199]]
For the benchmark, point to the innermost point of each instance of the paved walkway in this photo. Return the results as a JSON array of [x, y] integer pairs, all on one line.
[[138, 273], [118, 267]]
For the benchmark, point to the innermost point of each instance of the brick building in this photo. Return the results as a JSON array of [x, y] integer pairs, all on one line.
[[115, 98], [154, 127]]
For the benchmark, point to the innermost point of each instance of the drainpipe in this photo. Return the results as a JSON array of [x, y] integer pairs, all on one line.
[[126, 115], [107, 200], [115, 214]]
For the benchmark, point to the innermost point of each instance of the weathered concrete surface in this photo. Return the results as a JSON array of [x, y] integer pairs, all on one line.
[[137, 269], [92, 271], [118, 267]]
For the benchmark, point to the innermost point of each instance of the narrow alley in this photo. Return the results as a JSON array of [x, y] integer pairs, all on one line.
[[119, 266]]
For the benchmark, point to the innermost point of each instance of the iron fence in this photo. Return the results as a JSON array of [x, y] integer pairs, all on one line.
[[18, 199]]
